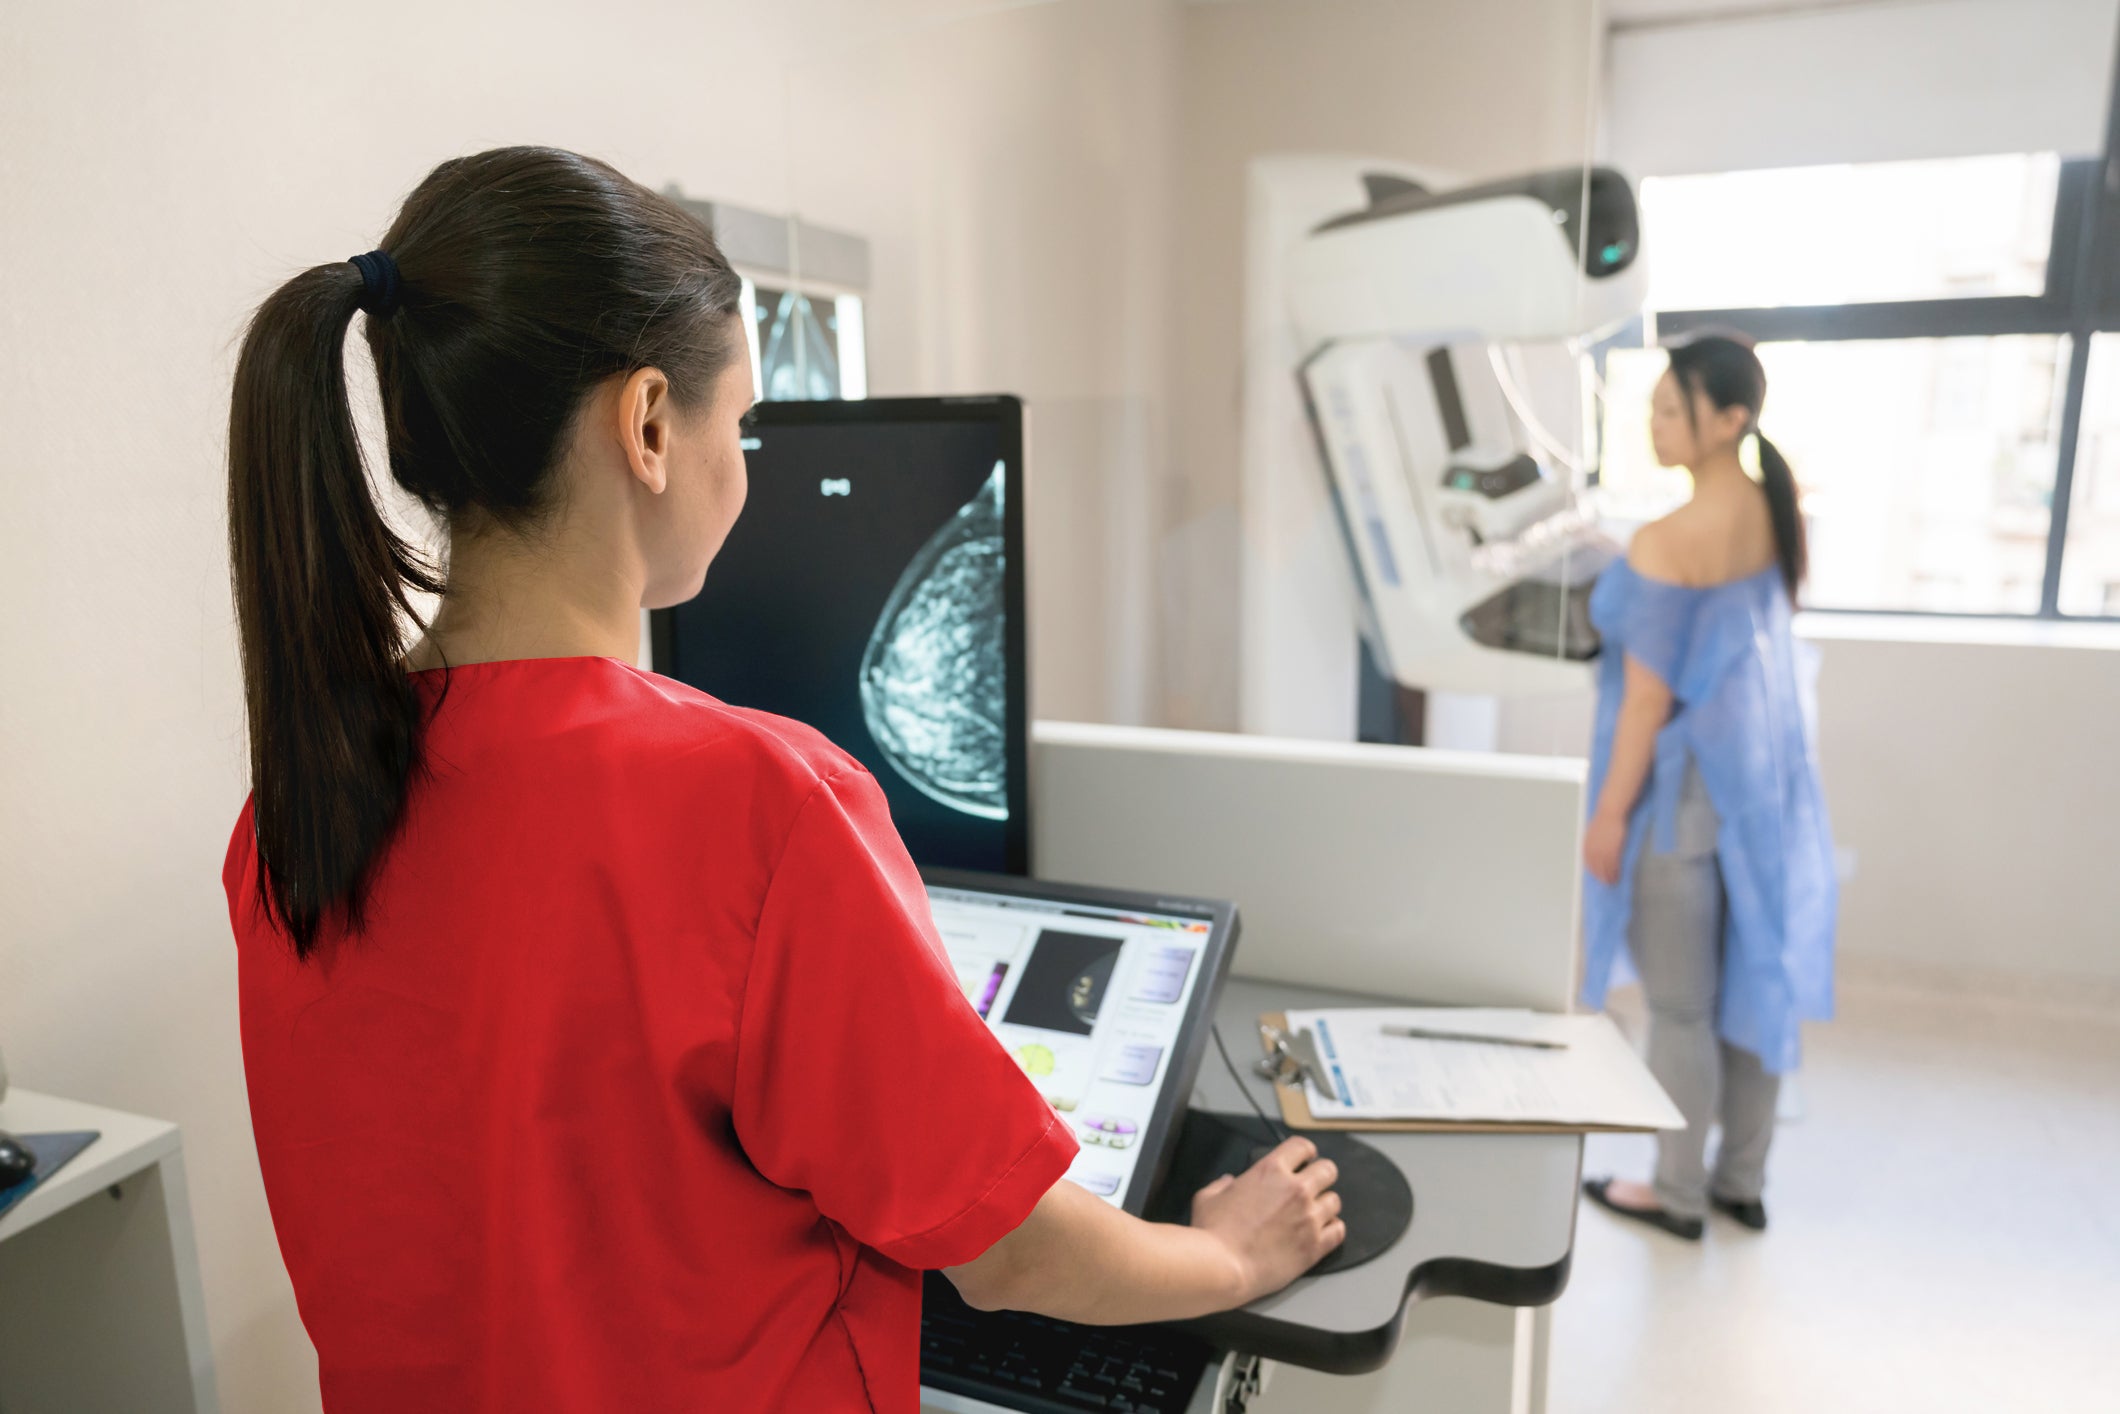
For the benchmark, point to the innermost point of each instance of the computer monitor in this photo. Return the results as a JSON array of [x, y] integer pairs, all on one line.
[[1105, 998], [873, 588]]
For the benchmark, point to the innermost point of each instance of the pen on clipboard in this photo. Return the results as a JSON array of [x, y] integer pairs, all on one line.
[[1423, 1033]]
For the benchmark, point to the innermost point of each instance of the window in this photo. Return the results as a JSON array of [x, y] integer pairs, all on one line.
[[1943, 372], [1974, 226]]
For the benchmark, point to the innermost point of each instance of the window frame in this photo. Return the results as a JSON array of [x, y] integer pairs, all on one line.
[[2082, 299]]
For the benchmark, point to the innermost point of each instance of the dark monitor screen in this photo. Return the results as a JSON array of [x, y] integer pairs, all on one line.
[[873, 589]]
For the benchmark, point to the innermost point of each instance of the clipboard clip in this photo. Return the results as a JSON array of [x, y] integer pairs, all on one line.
[[1291, 1058]]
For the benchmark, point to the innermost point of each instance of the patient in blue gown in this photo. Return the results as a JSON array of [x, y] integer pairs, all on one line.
[[1709, 857]]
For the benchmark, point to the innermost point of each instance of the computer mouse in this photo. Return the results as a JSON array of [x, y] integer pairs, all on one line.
[[16, 1161], [1376, 1200]]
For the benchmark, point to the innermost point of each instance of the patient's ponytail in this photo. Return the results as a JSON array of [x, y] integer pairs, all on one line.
[[1725, 371], [1779, 482], [512, 284]]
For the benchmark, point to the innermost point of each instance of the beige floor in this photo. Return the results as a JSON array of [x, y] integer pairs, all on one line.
[[1946, 1233]]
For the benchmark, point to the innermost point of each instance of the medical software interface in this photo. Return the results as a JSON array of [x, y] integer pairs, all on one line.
[[1089, 1001]]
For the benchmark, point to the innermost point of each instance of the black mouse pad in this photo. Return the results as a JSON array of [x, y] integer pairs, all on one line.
[[52, 1152], [1376, 1202]]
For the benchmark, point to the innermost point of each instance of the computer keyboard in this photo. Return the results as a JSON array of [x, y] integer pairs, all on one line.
[[1045, 1366]]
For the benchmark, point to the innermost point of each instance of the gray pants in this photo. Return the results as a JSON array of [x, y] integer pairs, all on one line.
[[1676, 936]]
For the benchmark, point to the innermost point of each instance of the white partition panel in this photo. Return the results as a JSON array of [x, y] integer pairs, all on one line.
[[1442, 876]]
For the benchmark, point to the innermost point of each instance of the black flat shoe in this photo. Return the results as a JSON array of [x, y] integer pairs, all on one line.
[[1751, 1213], [1688, 1229]]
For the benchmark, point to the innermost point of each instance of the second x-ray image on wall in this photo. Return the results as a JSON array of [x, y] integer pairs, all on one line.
[[798, 344], [872, 588]]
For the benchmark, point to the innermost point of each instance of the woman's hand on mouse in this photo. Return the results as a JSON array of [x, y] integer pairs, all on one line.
[[1078, 1258], [1278, 1218]]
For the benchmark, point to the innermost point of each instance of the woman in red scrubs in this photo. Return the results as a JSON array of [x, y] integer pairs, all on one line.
[[601, 1051]]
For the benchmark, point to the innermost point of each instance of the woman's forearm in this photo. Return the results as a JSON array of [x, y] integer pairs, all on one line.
[[1080, 1259], [1077, 1258], [1643, 711], [1629, 769]]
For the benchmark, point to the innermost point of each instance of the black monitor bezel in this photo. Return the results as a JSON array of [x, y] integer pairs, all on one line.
[[1158, 1140], [1005, 412]]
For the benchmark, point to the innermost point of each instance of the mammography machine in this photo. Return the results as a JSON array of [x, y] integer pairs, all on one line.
[[1431, 331]]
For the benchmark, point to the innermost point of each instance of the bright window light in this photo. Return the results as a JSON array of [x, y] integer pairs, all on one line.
[[1850, 234]]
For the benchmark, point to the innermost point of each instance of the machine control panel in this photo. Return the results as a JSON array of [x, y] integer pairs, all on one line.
[[1494, 482]]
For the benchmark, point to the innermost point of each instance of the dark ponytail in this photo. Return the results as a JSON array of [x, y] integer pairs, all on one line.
[[1724, 369], [524, 278], [320, 585], [1779, 482]]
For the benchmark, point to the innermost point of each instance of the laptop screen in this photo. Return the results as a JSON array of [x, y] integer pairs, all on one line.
[[1103, 999]]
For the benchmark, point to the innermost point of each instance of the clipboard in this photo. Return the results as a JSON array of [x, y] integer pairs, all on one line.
[[1295, 1109]]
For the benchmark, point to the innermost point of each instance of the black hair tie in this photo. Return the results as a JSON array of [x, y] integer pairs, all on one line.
[[380, 283]]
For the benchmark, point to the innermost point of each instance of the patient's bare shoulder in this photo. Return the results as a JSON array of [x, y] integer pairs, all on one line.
[[1658, 550]]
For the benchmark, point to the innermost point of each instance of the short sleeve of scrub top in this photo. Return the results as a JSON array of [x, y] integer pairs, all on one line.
[[864, 1077]]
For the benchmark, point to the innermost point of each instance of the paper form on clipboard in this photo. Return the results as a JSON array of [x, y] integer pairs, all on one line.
[[1596, 1081]]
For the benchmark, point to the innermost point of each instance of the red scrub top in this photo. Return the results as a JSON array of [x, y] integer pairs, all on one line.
[[648, 1086]]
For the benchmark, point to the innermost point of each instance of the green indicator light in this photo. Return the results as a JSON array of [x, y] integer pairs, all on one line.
[[1614, 251]]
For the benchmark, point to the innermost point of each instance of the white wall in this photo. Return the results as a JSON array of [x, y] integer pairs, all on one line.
[[1011, 166], [1858, 83], [163, 165], [1977, 784], [1482, 88]]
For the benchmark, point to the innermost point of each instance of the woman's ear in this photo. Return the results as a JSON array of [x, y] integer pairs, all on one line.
[[1718, 427], [1735, 422], [646, 412]]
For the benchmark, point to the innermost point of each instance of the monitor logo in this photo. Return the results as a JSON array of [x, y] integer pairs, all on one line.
[[840, 487]]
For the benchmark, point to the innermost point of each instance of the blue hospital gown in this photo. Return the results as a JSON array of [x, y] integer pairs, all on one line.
[[1740, 686]]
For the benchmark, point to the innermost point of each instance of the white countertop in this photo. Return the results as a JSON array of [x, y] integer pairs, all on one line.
[[129, 1144]]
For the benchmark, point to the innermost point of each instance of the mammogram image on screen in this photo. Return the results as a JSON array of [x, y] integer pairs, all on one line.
[[868, 592], [1063, 987], [934, 681]]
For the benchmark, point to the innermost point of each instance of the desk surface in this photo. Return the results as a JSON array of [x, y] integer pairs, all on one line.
[[1493, 1218], [130, 1143]]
